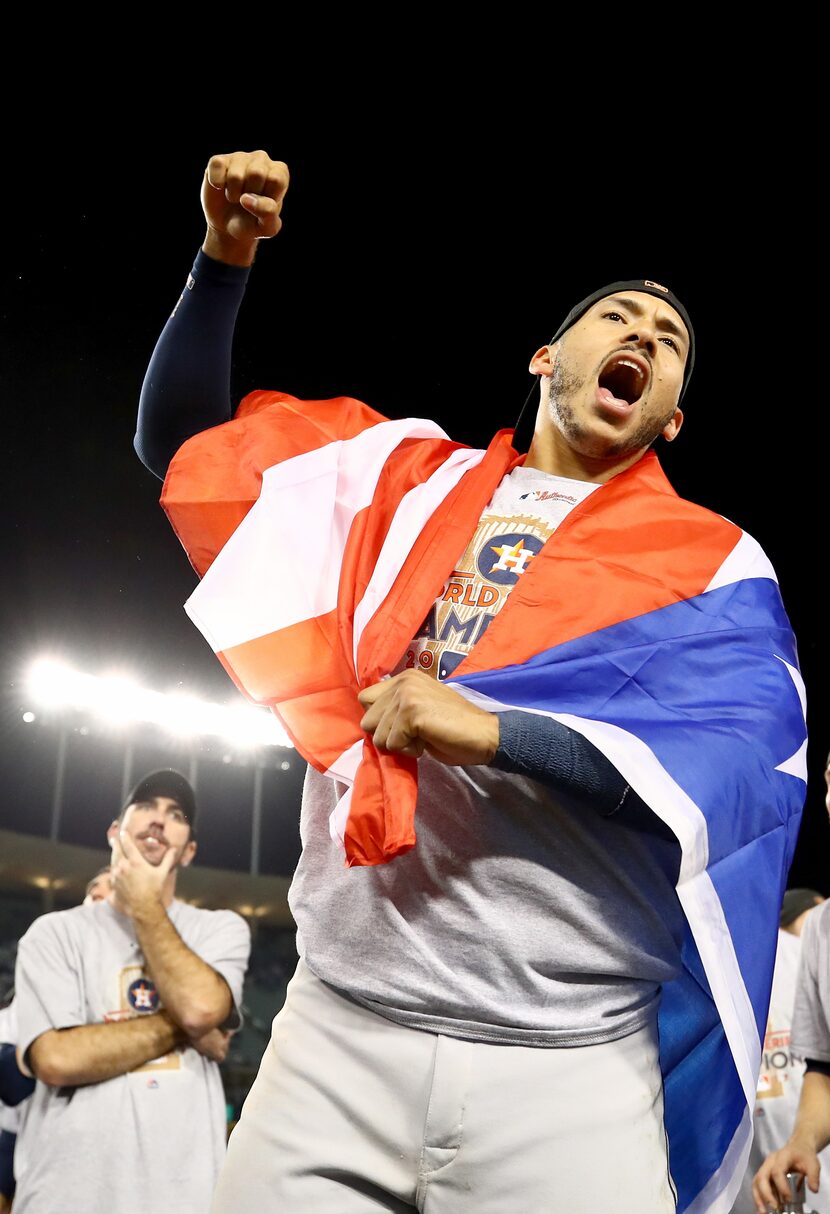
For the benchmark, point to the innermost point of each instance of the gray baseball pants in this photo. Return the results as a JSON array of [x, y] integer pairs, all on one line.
[[351, 1113]]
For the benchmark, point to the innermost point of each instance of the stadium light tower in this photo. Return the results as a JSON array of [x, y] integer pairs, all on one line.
[[120, 703]]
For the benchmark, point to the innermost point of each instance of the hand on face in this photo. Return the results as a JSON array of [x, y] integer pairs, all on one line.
[[145, 850], [136, 882]]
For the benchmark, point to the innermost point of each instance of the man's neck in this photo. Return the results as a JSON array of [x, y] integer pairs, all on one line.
[[556, 457], [168, 893]]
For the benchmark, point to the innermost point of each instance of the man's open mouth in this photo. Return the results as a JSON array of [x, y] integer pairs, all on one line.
[[624, 377]]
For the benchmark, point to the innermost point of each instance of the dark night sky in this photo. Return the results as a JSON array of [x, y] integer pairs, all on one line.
[[417, 271]]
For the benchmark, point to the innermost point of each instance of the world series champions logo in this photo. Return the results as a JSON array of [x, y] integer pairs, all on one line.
[[138, 996]]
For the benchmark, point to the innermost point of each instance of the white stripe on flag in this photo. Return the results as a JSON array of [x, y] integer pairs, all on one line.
[[796, 764], [338, 819], [718, 1195], [704, 912], [412, 513], [282, 564], [746, 560], [344, 768]]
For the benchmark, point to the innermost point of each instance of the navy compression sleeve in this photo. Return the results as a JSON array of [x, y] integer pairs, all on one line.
[[187, 385], [7, 1144], [544, 749]]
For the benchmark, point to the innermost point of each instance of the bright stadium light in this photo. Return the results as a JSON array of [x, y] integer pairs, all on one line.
[[121, 701]]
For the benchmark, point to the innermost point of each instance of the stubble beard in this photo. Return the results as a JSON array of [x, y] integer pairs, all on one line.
[[565, 383]]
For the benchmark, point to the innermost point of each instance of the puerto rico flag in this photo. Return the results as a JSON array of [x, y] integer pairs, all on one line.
[[323, 533]]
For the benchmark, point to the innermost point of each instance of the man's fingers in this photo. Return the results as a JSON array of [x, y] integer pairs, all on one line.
[[368, 695], [382, 710], [167, 861], [117, 851], [250, 172], [392, 729], [216, 171], [401, 735], [762, 1192], [781, 1186], [812, 1171], [128, 846], [264, 210], [378, 700]]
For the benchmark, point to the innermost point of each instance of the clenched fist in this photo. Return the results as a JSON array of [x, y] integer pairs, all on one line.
[[411, 713], [242, 197]]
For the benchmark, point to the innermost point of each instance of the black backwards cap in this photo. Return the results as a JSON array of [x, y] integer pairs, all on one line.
[[166, 783], [521, 441]]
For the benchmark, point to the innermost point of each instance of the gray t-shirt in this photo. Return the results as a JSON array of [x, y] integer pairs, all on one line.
[[811, 1015], [520, 916], [150, 1139]]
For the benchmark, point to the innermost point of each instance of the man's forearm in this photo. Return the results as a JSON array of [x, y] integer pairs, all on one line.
[[812, 1121], [192, 992], [92, 1053], [187, 386], [534, 745]]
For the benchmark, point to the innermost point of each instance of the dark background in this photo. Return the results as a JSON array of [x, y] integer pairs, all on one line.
[[421, 263]]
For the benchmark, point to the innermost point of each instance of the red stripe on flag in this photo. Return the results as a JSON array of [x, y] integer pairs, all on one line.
[[441, 542], [302, 674]]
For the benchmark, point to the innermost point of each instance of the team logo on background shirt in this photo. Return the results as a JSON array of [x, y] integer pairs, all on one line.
[[142, 995], [504, 558]]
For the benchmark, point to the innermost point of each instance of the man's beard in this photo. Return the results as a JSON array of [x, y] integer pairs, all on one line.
[[564, 385]]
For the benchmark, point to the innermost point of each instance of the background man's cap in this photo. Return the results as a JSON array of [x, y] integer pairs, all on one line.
[[166, 783], [795, 902], [525, 424]]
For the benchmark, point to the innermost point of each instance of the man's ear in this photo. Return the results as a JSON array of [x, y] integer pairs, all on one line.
[[672, 428], [543, 360], [113, 829], [188, 854]]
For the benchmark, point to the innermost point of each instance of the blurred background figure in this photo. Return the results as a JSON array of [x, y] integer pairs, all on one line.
[[125, 1007], [779, 1084], [804, 1145], [99, 887], [14, 1087]]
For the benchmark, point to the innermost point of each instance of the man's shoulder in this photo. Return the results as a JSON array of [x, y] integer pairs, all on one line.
[[209, 918], [817, 926], [56, 923]]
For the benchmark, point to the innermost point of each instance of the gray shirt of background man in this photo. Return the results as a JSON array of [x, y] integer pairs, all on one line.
[[811, 1016], [153, 1138]]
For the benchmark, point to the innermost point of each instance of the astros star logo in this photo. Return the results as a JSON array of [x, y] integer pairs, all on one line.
[[143, 996], [513, 558]]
